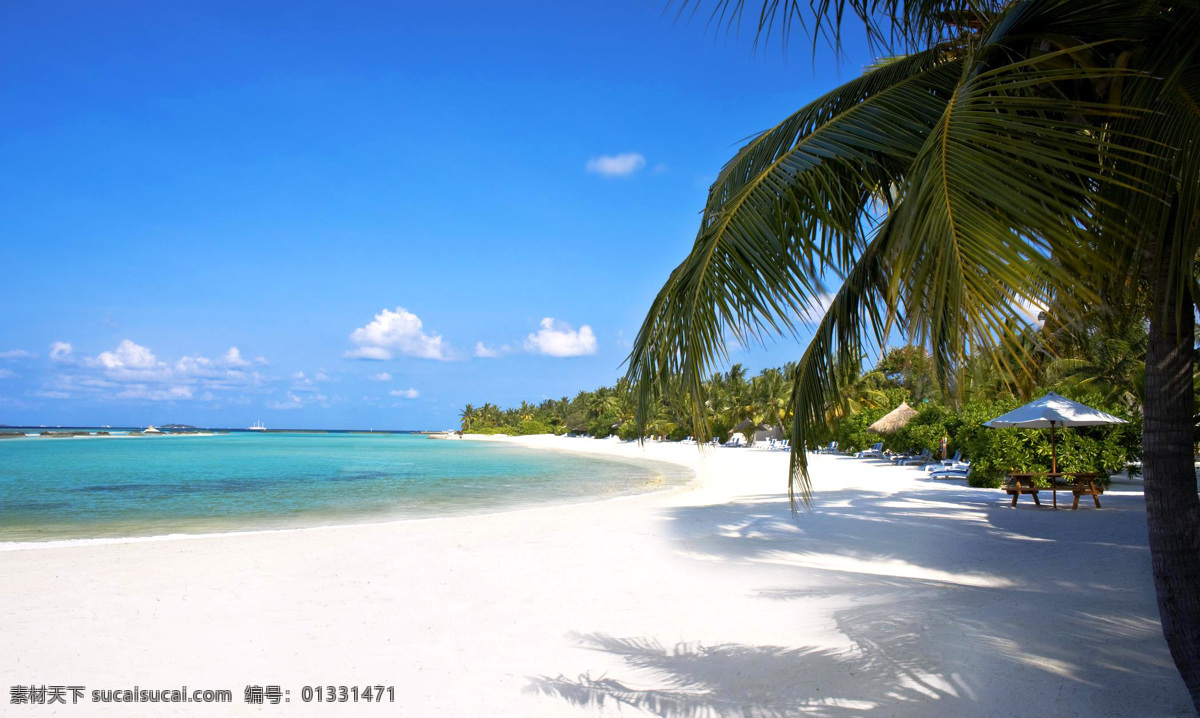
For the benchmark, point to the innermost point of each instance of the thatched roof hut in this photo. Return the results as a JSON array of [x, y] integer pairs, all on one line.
[[745, 427], [893, 420]]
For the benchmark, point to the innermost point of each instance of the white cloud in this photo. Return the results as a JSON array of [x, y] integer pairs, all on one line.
[[621, 165], [483, 351], [381, 376], [128, 355], [405, 393], [18, 354], [133, 372], [6, 374], [293, 401], [558, 339], [372, 353], [261, 360], [167, 394], [398, 332], [233, 358], [60, 351]]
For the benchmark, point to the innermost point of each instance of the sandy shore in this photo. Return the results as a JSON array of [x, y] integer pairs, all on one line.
[[896, 596]]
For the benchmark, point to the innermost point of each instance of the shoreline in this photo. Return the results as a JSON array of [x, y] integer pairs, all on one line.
[[894, 594], [351, 522]]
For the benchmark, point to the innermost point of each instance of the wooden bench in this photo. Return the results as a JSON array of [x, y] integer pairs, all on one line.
[[1079, 484], [1015, 489], [1085, 486]]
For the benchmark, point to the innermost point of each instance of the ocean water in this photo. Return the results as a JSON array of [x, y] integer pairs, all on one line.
[[146, 486]]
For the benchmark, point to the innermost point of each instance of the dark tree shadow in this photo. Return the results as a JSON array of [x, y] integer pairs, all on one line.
[[697, 681], [951, 600]]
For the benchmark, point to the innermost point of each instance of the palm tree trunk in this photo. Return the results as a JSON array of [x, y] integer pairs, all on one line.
[[1172, 505]]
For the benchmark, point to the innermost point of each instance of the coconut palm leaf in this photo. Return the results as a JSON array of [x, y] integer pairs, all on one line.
[[956, 153], [789, 207]]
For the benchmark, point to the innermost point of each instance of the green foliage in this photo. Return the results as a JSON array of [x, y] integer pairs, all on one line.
[[533, 426], [628, 431], [735, 396], [851, 432], [994, 453], [602, 426], [521, 428]]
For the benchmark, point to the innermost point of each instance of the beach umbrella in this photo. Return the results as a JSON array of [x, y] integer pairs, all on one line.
[[894, 420], [1049, 412]]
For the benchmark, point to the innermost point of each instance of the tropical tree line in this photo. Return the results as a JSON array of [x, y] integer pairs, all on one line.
[[1099, 360], [733, 398]]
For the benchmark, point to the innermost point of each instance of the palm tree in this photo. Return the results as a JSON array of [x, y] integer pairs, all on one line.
[[772, 397], [859, 390], [466, 417], [1104, 353], [1020, 154]]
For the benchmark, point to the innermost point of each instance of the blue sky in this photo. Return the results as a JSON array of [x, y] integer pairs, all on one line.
[[353, 215]]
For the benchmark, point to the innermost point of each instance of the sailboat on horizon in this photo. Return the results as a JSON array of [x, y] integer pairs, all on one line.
[[257, 426]]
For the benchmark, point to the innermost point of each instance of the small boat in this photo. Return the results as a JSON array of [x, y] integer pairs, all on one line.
[[257, 427], [151, 430]]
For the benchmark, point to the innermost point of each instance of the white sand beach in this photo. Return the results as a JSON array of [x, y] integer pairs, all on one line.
[[895, 596]]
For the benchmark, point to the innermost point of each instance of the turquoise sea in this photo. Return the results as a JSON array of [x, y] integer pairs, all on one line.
[[145, 486]]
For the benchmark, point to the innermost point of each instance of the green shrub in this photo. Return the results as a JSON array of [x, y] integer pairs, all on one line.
[[492, 430], [601, 427], [995, 453], [628, 431], [679, 433], [851, 432], [924, 431], [532, 426]]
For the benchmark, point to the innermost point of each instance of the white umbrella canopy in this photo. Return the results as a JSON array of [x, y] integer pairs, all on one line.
[[1052, 411], [1049, 412]]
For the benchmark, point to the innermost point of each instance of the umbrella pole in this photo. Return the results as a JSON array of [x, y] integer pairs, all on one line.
[[1053, 466]]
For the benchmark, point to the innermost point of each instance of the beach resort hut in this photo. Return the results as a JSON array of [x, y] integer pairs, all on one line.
[[894, 420]]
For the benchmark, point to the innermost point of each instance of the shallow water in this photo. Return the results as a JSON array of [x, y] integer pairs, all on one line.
[[144, 486]]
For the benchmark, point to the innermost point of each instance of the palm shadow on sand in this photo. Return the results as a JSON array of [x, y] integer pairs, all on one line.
[[948, 612]]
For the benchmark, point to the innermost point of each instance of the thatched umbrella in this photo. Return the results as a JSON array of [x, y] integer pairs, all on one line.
[[745, 424], [894, 420]]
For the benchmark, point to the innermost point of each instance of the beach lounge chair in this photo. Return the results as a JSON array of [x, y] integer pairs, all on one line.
[[831, 449], [953, 461], [764, 445], [897, 458], [924, 457], [951, 473], [876, 450]]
